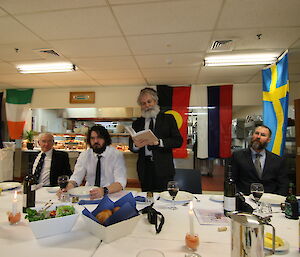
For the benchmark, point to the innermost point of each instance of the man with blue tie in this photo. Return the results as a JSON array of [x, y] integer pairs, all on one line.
[[155, 164], [102, 165], [257, 165], [50, 164]]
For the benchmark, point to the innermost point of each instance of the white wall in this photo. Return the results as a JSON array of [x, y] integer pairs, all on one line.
[[48, 121]]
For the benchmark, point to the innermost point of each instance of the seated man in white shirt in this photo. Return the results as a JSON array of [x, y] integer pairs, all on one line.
[[50, 164], [101, 165]]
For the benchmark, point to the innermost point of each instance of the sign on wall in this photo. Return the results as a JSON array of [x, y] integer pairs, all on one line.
[[82, 97]]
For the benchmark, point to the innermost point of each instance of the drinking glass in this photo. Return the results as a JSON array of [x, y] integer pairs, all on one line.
[[173, 189], [257, 190], [63, 182], [192, 243]]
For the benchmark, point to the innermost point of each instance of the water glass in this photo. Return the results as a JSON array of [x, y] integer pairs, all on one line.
[[150, 253], [265, 208]]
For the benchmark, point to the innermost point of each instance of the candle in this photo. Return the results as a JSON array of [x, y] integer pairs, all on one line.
[[15, 204], [191, 215]]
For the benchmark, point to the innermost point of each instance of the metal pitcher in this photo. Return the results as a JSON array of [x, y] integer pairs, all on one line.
[[247, 235]]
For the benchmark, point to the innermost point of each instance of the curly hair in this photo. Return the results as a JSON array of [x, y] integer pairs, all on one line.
[[101, 132]]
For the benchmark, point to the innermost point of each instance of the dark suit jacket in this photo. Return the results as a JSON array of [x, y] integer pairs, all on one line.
[[274, 176], [60, 165], [167, 130]]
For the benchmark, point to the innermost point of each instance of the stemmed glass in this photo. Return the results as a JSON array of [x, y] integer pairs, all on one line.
[[257, 190], [173, 189], [63, 182]]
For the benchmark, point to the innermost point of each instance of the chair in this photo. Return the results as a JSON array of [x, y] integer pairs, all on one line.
[[189, 180]]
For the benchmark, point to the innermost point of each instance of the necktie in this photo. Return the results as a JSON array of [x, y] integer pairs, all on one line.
[[39, 167], [98, 172], [257, 164], [151, 126]]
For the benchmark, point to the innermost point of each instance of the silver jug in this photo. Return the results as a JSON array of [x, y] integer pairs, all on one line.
[[247, 235]]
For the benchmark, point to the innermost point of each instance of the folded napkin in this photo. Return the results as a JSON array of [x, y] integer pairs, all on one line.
[[127, 209], [85, 202], [140, 198]]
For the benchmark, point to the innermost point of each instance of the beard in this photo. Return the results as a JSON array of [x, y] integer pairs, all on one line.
[[98, 149], [257, 145], [151, 112]]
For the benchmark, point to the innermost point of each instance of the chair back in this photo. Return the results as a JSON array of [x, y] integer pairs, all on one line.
[[189, 180]]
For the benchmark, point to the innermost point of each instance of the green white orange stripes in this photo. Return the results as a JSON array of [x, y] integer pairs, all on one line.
[[17, 106]]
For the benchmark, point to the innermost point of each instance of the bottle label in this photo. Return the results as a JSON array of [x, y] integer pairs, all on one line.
[[229, 203]]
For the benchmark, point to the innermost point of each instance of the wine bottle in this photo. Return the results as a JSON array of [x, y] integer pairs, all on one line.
[[291, 204], [229, 193], [28, 192]]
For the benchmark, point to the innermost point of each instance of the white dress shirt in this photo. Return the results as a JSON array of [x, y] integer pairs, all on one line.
[[113, 167], [45, 174]]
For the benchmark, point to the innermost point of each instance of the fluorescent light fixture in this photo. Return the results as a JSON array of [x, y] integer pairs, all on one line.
[[46, 67], [242, 59]]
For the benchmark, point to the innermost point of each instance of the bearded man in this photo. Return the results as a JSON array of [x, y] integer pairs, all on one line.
[[102, 165], [155, 164], [257, 165]]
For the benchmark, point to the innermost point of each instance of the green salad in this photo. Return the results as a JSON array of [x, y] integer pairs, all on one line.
[[65, 210]]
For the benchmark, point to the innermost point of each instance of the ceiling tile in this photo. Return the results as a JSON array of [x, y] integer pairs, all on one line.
[[116, 74], [296, 44], [76, 23], [28, 6], [271, 38], [171, 60], [6, 68], [167, 17], [172, 81], [123, 82], [63, 76], [92, 47], [14, 32], [77, 83], [170, 72], [105, 63], [258, 14], [131, 1], [169, 43]]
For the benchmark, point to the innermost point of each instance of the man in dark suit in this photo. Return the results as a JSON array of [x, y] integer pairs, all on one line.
[[257, 165], [50, 164], [155, 164]]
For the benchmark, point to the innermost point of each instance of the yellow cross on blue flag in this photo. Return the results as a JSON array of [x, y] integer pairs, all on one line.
[[276, 101]]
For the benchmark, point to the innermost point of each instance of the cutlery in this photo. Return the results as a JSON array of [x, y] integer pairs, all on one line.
[[198, 200]]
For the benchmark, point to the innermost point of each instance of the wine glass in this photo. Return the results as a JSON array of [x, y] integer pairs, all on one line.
[[173, 189], [257, 190], [63, 182]]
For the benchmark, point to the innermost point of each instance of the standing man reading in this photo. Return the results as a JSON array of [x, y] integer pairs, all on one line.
[[257, 165], [50, 164], [101, 165], [155, 164]]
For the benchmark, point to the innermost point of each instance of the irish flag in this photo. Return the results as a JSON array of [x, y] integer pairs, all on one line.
[[17, 106]]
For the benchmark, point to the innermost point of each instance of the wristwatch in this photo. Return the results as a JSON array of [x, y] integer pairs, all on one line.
[[105, 190]]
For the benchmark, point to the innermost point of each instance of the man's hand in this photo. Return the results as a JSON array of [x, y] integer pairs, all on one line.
[[70, 185], [142, 142], [96, 193]]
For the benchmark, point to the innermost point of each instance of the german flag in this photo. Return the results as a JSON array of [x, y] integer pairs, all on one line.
[[175, 100]]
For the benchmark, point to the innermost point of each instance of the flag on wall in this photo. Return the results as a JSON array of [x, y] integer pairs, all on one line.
[[276, 101], [17, 106], [175, 100], [214, 124]]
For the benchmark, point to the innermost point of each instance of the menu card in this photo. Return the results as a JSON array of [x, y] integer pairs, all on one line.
[[211, 217]]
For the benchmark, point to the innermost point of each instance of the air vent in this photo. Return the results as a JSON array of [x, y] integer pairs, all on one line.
[[46, 52], [221, 45]]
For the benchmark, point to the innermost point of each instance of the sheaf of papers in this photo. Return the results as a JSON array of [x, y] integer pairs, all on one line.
[[211, 217]]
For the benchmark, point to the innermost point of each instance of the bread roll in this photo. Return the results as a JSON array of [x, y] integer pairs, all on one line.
[[116, 209], [103, 215]]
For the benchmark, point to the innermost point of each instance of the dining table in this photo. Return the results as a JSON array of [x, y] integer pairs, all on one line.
[[215, 239]]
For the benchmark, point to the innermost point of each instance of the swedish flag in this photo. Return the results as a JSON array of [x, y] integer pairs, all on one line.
[[276, 101]]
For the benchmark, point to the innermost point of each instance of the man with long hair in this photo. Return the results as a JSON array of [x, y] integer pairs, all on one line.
[[101, 165]]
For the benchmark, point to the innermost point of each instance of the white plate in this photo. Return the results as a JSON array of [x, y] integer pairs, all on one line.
[[282, 248], [271, 198], [9, 185], [52, 189], [217, 198], [81, 191], [181, 196]]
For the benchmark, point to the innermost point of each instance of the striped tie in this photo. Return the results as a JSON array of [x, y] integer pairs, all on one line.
[[39, 168]]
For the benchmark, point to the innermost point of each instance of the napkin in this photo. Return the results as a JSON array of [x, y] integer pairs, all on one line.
[[84, 202], [140, 198], [127, 209]]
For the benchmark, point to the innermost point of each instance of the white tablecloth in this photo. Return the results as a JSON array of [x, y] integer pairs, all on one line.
[[18, 240]]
